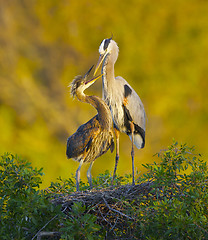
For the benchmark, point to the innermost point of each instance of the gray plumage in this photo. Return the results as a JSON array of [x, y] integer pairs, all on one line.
[[126, 106]]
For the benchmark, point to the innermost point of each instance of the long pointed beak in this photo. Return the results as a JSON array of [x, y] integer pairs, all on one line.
[[100, 60], [88, 72], [93, 79]]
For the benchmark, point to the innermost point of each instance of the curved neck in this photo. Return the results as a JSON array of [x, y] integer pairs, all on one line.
[[104, 114]]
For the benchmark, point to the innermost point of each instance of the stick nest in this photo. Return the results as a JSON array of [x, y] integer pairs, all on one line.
[[111, 195], [113, 207]]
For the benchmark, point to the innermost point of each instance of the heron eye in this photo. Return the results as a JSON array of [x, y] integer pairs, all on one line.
[[106, 43]]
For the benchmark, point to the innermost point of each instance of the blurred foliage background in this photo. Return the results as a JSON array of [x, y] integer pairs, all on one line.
[[44, 44]]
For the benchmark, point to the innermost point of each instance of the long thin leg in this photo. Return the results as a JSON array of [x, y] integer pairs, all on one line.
[[117, 154], [78, 174], [89, 176], [132, 151]]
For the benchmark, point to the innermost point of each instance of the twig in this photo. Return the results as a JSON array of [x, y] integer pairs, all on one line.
[[108, 222], [114, 224], [46, 225], [41, 234], [104, 217], [114, 210], [200, 227]]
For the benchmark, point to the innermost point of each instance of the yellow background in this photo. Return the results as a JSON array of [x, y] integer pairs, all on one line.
[[44, 44]]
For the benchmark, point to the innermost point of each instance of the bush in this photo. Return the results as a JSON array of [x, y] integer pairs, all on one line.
[[25, 210], [177, 206], [23, 206], [170, 201], [80, 225]]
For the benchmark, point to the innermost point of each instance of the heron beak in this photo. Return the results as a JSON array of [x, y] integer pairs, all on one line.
[[88, 72], [100, 60], [93, 79]]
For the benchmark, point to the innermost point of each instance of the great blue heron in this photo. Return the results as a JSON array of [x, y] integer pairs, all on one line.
[[126, 107], [93, 138]]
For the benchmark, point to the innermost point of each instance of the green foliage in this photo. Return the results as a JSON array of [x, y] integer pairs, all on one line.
[[103, 180], [80, 225], [174, 206], [23, 207], [62, 186], [177, 206]]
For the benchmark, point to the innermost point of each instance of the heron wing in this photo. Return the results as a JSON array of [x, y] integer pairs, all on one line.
[[133, 111], [132, 102], [82, 138]]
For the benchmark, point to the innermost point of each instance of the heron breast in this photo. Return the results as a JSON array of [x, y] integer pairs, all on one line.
[[118, 115], [99, 146], [114, 99]]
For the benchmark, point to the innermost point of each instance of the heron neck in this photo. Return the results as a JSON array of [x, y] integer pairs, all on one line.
[[108, 72], [104, 114]]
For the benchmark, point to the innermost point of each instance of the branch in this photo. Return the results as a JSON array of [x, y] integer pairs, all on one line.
[[38, 233], [41, 234], [114, 210]]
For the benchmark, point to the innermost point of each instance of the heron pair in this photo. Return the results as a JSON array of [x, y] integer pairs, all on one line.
[[120, 107]]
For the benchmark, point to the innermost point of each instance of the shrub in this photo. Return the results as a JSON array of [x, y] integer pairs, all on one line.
[[23, 206], [177, 206], [170, 201]]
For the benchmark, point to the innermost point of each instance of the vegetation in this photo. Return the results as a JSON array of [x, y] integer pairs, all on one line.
[[169, 201]]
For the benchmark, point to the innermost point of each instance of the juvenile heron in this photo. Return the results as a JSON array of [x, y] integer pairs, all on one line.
[[93, 138], [126, 107]]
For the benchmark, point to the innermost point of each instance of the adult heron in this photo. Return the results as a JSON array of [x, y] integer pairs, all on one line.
[[94, 138], [126, 106]]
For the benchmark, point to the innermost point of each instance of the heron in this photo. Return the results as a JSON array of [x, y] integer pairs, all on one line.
[[126, 106], [95, 137]]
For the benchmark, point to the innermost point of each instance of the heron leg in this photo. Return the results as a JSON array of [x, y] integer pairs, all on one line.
[[117, 154], [78, 174], [89, 176], [132, 151]]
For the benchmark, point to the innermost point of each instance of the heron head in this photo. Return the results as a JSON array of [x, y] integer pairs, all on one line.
[[80, 83], [107, 47]]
